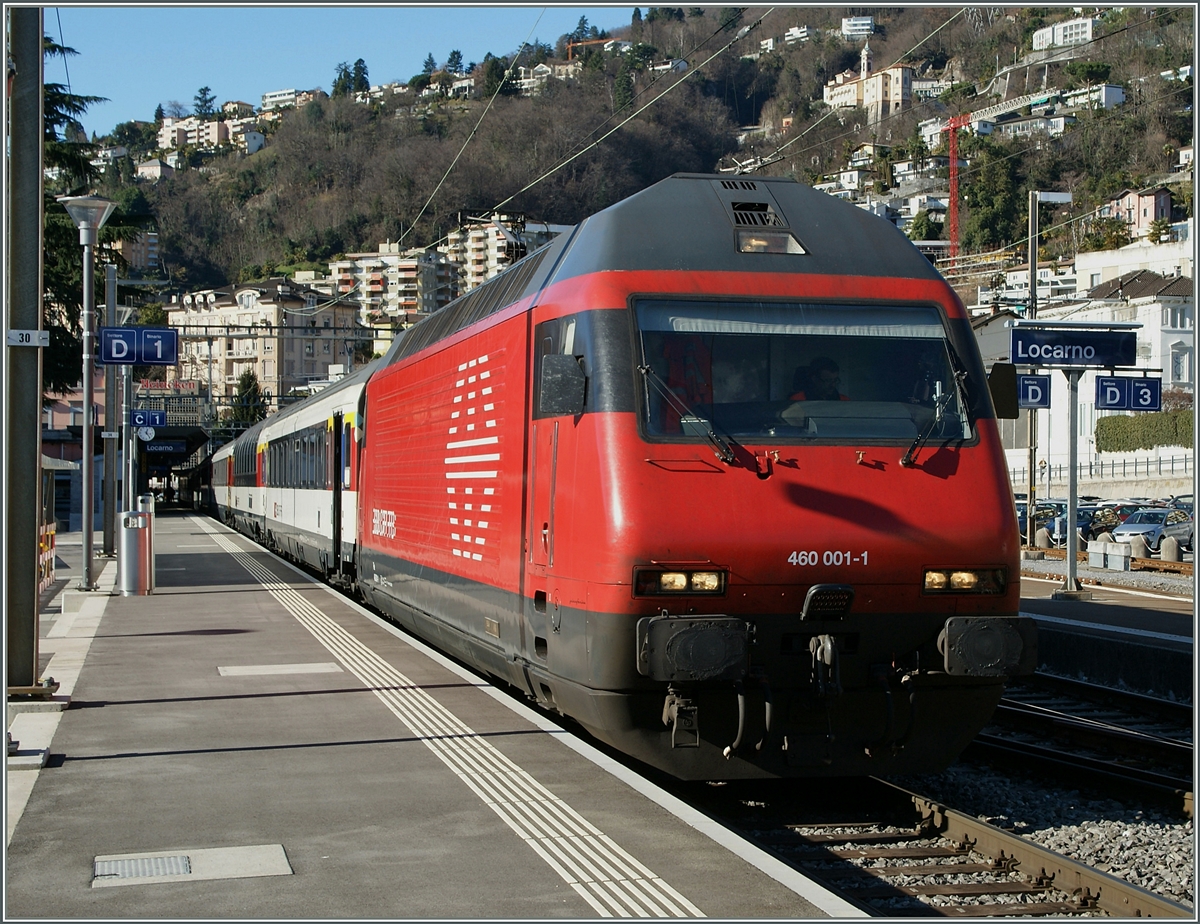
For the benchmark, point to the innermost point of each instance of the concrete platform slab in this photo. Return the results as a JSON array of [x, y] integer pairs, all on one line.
[[399, 785]]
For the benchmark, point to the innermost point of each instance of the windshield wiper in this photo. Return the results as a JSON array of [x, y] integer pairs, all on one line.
[[938, 409], [688, 416]]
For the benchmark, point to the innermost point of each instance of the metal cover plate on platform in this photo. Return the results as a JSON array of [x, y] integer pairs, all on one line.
[[187, 865]]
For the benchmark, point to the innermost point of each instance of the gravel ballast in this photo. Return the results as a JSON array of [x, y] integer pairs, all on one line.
[[1145, 846]]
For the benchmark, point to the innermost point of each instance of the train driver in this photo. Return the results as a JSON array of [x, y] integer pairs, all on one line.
[[818, 381]]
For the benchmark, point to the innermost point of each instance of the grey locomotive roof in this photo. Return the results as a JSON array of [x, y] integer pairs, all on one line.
[[690, 221]]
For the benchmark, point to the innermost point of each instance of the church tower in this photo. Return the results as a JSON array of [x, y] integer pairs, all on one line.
[[864, 69]]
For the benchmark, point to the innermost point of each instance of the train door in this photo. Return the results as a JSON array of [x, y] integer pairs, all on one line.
[[333, 478], [558, 395]]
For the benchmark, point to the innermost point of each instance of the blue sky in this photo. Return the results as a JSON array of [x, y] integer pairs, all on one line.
[[140, 56]]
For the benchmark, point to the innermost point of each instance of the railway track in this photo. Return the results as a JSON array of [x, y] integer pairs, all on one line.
[[895, 853], [1135, 564], [1109, 738]]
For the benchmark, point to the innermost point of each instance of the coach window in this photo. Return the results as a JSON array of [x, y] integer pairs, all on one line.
[[347, 435]]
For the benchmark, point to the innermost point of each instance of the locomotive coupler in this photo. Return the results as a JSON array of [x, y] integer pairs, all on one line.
[[826, 669], [741, 700], [680, 713]]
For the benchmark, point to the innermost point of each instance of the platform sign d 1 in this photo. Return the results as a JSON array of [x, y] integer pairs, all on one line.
[[1119, 393], [139, 346], [1033, 391]]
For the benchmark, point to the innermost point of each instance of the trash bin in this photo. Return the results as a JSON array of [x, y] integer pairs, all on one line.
[[136, 564], [145, 504]]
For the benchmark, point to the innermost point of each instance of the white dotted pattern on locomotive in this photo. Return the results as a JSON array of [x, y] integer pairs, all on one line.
[[474, 462]]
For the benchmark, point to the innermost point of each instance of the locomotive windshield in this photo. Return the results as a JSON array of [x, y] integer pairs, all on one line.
[[798, 371]]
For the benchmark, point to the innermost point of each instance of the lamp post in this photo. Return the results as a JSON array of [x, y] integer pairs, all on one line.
[[89, 214]]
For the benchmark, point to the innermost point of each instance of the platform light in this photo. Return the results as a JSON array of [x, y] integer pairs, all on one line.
[[89, 214]]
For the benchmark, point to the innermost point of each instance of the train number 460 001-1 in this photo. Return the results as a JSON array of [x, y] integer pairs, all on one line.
[[828, 557]]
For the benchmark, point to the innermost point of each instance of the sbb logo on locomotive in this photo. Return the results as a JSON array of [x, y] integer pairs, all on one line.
[[383, 523]]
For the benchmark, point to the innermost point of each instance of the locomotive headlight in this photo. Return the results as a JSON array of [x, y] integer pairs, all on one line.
[[650, 582], [954, 581], [963, 580], [672, 582], [936, 580]]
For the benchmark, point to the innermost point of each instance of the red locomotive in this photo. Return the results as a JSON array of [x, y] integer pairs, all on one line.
[[716, 474]]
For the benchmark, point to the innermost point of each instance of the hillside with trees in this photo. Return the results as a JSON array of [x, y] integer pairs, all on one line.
[[346, 171]]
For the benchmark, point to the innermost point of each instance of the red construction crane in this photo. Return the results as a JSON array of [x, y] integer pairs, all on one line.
[[955, 123], [571, 46]]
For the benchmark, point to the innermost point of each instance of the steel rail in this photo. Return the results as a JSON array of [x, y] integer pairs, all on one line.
[[1090, 887], [1075, 766], [1169, 709]]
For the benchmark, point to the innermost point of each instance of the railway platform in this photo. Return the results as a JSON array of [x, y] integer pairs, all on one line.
[[1121, 636], [247, 743]]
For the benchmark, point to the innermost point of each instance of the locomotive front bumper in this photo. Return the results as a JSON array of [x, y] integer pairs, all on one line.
[[697, 649], [693, 649], [989, 646]]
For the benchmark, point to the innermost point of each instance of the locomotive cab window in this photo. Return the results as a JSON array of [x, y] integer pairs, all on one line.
[[798, 372]]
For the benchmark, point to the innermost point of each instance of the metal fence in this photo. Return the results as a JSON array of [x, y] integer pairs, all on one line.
[[1175, 466]]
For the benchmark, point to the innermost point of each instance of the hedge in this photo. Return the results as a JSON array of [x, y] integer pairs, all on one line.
[[1144, 431]]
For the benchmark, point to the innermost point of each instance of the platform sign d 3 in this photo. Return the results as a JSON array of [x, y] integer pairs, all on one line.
[[1033, 391], [139, 346], [1122, 393]]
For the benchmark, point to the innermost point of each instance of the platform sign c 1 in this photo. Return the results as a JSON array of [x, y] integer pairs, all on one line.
[[1121, 393], [1033, 391], [147, 418]]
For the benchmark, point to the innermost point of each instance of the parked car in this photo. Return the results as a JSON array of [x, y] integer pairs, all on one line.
[[1125, 508], [1094, 520], [1182, 501], [1154, 524], [1044, 515]]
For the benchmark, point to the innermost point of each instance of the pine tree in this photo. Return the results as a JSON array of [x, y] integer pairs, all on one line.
[[341, 80], [454, 63], [249, 405], [359, 82], [430, 64], [623, 88], [205, 103]]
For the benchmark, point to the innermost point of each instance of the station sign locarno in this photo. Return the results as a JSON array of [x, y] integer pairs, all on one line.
[[1102, 349]]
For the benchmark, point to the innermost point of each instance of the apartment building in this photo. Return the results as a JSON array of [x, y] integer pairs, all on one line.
[[855, 27], [483, 247], [287, 334], [141, 253], [1071, 32], [395, 285], [198, 133], [1139, 208]]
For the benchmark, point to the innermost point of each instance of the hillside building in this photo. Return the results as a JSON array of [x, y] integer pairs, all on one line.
[[394, 285], [880, 93], [287, 334], [1071, 32]]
